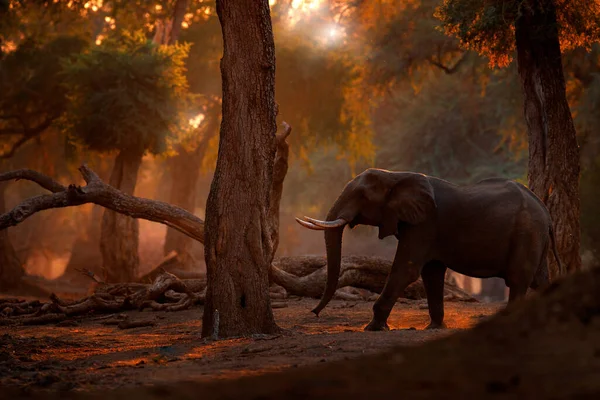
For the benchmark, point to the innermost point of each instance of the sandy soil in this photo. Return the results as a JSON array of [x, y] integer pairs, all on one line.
[[91, 356]]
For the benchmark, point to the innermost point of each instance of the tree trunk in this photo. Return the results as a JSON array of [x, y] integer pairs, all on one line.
[[184, 167], [280, 168], [179, 10], [553, 151], [11, 270], [120, 234], [237, 233], [85, 252], [184, 171]]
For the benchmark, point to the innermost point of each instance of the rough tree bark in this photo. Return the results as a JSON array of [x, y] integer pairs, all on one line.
[[238, 245], [11, 270], [553, 151], [119, 234]]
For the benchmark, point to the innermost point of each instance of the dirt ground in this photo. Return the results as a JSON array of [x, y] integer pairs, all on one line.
[[91, 356]]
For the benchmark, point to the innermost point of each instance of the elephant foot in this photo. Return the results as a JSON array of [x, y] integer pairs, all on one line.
[[436, 325], [377, 326]]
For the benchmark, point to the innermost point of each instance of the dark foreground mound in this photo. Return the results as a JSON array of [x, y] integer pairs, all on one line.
[[547, 347]]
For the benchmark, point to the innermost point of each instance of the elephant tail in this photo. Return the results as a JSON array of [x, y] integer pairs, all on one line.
[[561, 271]]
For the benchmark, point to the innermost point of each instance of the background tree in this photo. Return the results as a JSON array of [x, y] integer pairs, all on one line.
[[126, 96], [237, 238], [184, 168], [11, 270], [537, 28]]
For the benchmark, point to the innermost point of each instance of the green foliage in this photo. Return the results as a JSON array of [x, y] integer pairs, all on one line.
[[488, 26], [409, 43], [127, 93], [203, 72], [30, 83], [451, 128], [310, 91]]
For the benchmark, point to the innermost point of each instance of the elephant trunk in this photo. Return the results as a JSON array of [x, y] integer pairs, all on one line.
[[333, 244]]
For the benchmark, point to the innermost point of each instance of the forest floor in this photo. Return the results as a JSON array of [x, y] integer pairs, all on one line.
[[90, 356]]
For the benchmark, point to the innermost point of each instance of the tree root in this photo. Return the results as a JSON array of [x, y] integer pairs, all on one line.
[[166, 293], [361, 278]]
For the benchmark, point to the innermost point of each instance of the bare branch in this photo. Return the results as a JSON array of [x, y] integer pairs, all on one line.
[[15, 147], [98, 192], [44, 181], [448, 70], [28, 134]]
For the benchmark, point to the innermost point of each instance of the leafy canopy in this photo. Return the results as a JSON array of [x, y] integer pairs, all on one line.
[[488, 26], [30, 83], [127, 93]]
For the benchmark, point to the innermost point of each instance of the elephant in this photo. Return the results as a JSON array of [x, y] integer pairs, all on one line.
[[494, 228]]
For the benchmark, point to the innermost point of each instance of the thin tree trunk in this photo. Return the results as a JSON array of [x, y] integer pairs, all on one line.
[[85, 252], [119, 236], [280, 168], [237, 232], [178, 15], [184, 168], [553, 151], [184, 173], [11, 270]]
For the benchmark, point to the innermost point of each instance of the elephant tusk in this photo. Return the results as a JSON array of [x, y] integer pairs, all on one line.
[[327, 224], [309, 225]]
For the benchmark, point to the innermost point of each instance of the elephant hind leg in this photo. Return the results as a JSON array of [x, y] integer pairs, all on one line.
[[433, 275]]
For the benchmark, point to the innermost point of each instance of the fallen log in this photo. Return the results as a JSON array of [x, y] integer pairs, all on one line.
[[306, 276]]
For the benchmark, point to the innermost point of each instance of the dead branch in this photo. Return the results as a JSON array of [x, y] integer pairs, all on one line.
[[166, 293], [98, 192], [44, 319], [126, 324], [90, 274]]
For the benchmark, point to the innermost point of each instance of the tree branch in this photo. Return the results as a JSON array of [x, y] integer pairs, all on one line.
[[15, 147], [44, 181], [98, 192], [28, 134], [448, 70]]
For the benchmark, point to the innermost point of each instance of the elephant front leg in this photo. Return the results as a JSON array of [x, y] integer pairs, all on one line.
[[403, 273], [433, 275]]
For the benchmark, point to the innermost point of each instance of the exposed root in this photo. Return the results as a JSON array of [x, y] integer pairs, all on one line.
[[167, 293]]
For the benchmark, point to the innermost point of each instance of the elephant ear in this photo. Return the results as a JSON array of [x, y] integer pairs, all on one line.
[[411, 200]]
